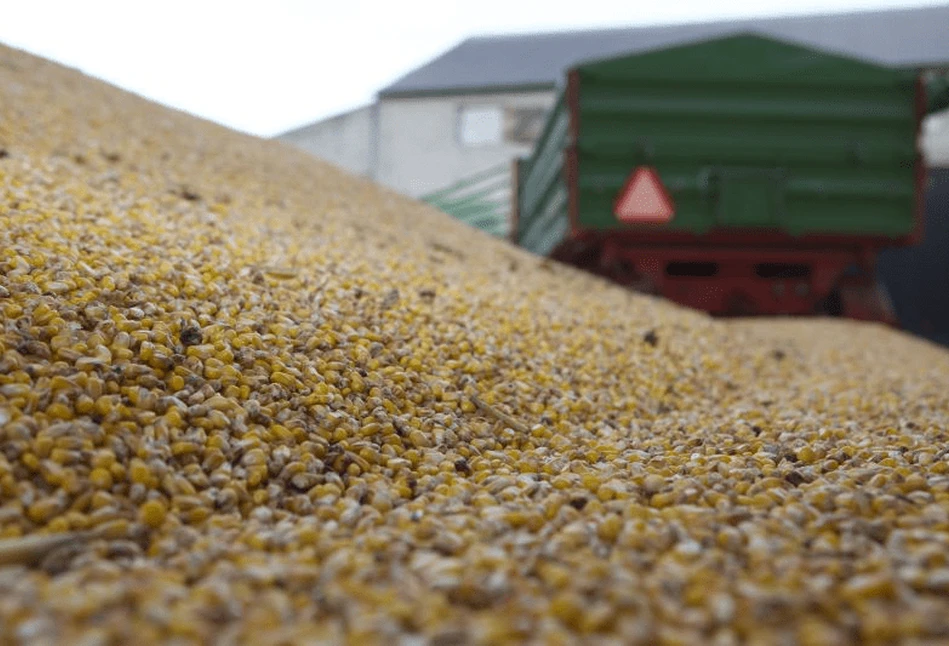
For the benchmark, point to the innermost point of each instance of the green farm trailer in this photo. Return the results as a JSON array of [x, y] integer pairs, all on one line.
[[740, 175]]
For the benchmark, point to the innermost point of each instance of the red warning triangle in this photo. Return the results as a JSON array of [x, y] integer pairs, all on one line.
[[643, 199]]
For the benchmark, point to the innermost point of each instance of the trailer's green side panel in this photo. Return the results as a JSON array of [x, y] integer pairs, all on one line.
[[750, 133], [937, 92], [542, 192]]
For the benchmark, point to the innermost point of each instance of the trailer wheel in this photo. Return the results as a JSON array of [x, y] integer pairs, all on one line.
[[831, 305]]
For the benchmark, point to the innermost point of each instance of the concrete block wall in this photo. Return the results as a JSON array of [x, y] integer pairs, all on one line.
[[344, 140]]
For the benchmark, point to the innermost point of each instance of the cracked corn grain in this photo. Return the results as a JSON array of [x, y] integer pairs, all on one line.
[[232, 413]]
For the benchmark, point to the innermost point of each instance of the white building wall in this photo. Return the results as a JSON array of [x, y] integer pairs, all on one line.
[[344, 140], [426, 144], [935, 140]]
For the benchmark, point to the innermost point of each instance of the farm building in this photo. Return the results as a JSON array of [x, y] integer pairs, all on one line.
[[484, 102]]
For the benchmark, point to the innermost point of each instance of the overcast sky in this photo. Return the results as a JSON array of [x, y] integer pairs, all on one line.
[[265, 67]]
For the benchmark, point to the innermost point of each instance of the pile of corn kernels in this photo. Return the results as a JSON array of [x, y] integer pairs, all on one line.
[[248, 399]]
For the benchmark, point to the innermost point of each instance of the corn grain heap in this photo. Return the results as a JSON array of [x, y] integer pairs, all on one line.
[[247, 399]]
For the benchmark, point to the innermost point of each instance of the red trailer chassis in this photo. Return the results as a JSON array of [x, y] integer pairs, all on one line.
[[735, 281]]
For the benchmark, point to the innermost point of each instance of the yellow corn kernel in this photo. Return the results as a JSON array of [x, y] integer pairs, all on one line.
[[100, 499], [118, 471], [85, 405], [568, 608], [256, 475], [153, 513], [103, 459], [101, 478], [183, 448], [59, 411], [43, 446], [30, 461], [114, 529], [610, 528], [58, 525], [139, 472], [661, 500], [43, 510]]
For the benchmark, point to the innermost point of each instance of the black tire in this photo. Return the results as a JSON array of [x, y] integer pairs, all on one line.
[[831, 305]]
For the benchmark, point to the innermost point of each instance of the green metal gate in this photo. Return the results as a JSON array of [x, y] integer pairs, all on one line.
[[481, 200]]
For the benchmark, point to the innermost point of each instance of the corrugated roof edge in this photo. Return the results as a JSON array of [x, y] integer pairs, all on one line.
[[406, 85], [466, 90]]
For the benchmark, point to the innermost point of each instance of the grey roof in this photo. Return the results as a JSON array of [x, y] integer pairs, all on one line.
[[915, 37]]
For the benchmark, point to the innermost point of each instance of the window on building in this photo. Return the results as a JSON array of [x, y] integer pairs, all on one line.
[[481, 125], [524, 125]]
